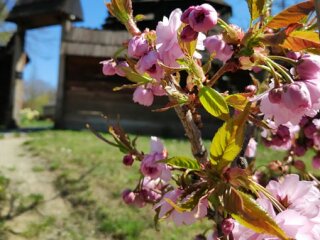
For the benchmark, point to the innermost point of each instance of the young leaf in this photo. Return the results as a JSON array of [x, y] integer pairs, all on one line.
[[291, 15], [238, 101], [249, 214], [300, 40], [256, 8], [227, 142], [182, 162], [214, 103], [135, 77]]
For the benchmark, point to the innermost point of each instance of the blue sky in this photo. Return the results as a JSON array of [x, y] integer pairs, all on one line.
[[42, 45]]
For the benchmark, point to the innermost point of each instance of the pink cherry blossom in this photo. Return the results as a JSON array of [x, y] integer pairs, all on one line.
[[120, 65], [149, 64], [143, 96], [309, 67], [251, 148], [138, 46], [203, 18], [297, 221], [296, 97], [297, 100], [216, 45], [109, 67], [167, 39], [128, 196], [301, 196], [179, 218], [150, 167], [127, 160]]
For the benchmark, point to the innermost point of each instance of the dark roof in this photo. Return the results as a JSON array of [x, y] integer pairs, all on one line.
[[38, 13], [156, 9]]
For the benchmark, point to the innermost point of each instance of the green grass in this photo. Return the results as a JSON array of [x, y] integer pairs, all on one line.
[[96, 199], [36, 124]]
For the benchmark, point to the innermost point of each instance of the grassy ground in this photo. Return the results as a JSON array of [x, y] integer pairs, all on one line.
[[96, 199]]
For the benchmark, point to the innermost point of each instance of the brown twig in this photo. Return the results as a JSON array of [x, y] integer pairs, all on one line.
[[228, 67]]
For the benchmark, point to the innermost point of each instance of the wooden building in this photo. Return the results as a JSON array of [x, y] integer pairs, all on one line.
[[84, 94]]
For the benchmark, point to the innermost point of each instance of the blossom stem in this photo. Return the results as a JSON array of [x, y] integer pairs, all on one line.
[[274, 73], [228, 67], [284, 59], [285, 75]]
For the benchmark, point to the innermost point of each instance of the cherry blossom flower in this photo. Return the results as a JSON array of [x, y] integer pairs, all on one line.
[[138, 46], [149, 64], [309, 67], [109, 67], [119, 67], [202, 18], [188, 34], [167, 40], [216, 45], [143, 96], [150, 167]]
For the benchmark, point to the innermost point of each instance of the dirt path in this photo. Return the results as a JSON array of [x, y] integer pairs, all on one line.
[[28, 175]]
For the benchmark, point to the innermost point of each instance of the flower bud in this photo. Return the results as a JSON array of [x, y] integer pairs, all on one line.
[[143, 96], [296, 96], [227, 226], [251, 89], [128, 196], [309, 130], [185, 15], [137, 47], [203, 18], [298, 164], [316, 161], [299, 150], [275, 95], [127, 160], [188, 34], [109, 67], [309, 67]]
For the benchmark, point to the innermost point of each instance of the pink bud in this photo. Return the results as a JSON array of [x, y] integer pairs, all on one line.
[[128, 196], [227, 226], [119, 67], [309, 67], [294, 55], [299, 150], [309, 130], [283, 132], [316, 161], [137, 47], [216, 45], [251, 89], [109, 67], [185, 15], [188, 34], [127, 160], [203, 18], [143, 96], [298, 164], [275, 95], [296, 96]]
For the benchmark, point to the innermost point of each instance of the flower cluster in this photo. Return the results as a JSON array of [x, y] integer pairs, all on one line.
[[222, 184], [301, 217]]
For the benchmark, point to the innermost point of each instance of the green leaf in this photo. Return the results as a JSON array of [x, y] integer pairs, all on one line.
[[238, 101], [135, 77], [256, 8], [250, 214], [139, 17], [227, 142], [214, 103], [300, 40], [182, 162], [291, 15]]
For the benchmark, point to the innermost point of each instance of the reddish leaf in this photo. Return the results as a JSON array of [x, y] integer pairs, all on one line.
[[293, 14], [300, 40]]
